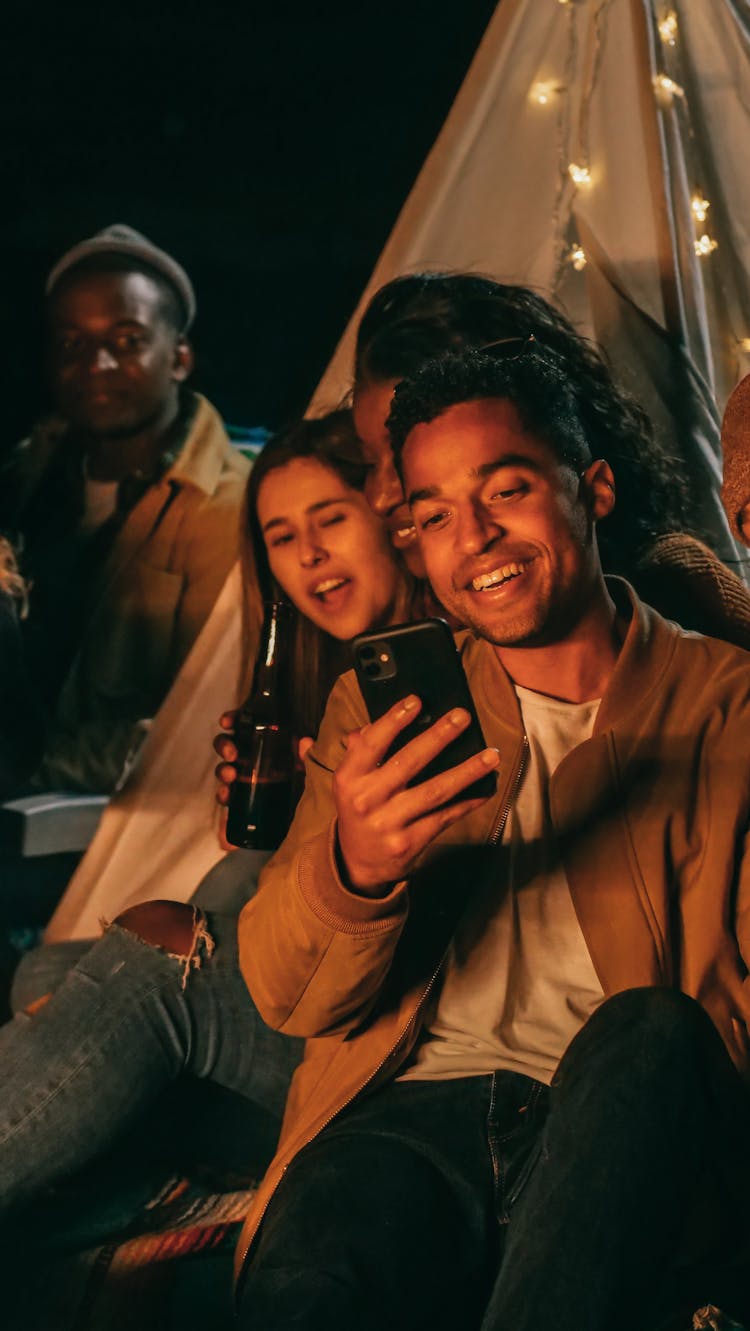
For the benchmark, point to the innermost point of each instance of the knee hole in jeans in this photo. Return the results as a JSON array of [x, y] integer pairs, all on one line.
[[169, 925]]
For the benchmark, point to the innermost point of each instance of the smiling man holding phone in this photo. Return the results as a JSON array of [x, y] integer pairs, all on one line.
[[522, 1102]]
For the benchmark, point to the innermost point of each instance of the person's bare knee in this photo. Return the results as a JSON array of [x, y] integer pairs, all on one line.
[[169, 925]]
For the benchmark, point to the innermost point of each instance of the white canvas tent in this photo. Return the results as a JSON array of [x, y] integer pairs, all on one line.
[[578, 158], [655, 121]]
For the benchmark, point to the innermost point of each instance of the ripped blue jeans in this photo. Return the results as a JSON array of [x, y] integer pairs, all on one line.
[[124, 1024]]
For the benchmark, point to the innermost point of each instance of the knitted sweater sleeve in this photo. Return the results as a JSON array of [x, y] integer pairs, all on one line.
[[685, 581]]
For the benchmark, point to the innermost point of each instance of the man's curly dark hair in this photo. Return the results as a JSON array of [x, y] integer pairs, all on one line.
[[539, 385], [534, 383], [421, 316]]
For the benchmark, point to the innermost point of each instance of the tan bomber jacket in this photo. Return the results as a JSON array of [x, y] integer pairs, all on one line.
[[160, 580], [652, 818]]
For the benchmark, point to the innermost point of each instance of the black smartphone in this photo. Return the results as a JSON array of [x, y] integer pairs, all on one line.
[[421, 658]]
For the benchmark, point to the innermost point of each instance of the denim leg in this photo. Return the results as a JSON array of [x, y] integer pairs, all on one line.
[[118, 1030], [646, 1113], [385, 1220], [518, 1110], [224, 889], [43, 970], [230, 884]]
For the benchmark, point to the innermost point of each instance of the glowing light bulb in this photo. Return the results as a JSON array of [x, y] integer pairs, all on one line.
[[700, 207], [668, 28], [667, 88], [705, 245], [577, 257], [543, 93], [579, 174]]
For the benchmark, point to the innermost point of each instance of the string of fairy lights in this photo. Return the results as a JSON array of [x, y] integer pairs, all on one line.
[[577, 170], [669, 91]]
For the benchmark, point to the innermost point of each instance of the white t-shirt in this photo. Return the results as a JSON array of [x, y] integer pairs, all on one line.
[[518, 982]]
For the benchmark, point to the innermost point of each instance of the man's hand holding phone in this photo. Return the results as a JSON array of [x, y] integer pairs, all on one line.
[[383, 823]]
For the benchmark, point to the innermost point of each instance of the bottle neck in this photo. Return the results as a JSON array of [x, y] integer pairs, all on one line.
[[268, 678]]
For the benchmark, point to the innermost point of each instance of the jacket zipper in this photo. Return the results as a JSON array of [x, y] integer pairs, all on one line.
[[496, 832], [502, 818]]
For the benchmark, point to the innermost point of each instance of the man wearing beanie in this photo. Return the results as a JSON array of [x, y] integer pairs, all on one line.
[[125, 505]]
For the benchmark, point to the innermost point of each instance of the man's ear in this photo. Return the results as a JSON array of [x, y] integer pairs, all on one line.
[[183, 362], [599, 483]]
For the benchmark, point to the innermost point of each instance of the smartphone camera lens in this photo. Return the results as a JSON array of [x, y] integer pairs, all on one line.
[[376, 661]]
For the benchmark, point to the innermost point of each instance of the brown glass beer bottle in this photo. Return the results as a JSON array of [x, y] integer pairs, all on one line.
[[261, 796]]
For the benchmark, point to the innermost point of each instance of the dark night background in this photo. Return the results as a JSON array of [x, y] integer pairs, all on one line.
[[269, 149]]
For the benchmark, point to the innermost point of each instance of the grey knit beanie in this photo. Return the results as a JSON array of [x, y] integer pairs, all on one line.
[[121, 239]]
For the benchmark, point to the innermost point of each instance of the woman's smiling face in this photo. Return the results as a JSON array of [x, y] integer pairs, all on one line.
[[326, 548]]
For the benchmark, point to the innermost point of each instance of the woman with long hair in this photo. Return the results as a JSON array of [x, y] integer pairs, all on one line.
[[320, 648], [160, 994], [303, 551]]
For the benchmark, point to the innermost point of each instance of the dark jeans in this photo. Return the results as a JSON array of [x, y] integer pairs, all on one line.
[[498, 1203]]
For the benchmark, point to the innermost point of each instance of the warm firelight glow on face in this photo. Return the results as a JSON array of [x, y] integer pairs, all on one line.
[[504, 533], [326, 548]]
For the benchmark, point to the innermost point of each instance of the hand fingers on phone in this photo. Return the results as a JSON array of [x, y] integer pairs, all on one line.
[[407, 764], [371, 790], [421, 801], [431, 826], [405, 843], [390, 845], [228, 720], [366, 748]]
